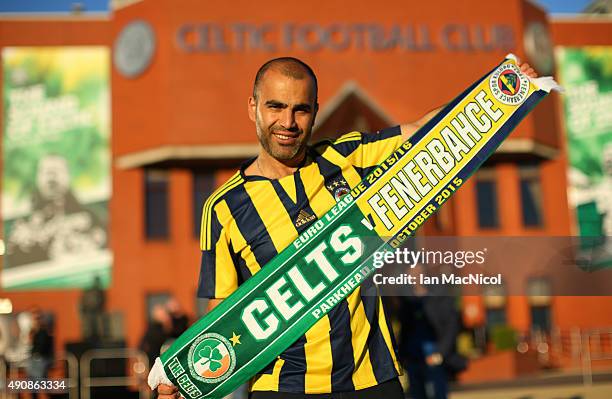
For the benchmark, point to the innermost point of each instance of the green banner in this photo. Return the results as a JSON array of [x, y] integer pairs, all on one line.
[[56, 180], [331, 258], [586, 74]]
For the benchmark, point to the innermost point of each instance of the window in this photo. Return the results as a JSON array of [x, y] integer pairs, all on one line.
[[442, 219], [203, 186], [495, 306], [540, 318], [486, 198], [156, 299], [539, 291], [531, 195], [495, 317], [156, 204]]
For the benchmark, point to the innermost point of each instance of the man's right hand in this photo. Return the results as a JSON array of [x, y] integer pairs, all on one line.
[[168, 392]]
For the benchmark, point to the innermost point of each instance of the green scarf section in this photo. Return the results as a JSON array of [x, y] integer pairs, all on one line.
[[329, 260]]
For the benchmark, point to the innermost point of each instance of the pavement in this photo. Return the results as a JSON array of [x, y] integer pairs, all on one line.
[[551, 386]]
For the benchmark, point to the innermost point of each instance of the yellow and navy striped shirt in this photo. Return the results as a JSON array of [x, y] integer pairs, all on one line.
[[250, 219]]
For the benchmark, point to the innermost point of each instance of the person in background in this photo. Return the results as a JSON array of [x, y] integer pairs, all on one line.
[[430, 324], [40, 361], [179, 319], [158, 332], [91, 308]]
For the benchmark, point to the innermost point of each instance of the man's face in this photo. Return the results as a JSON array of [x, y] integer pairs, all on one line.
[[284, 113], [53, 178]]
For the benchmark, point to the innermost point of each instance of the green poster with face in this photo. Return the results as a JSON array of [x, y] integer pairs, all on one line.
[[56, 180], [586, 75]]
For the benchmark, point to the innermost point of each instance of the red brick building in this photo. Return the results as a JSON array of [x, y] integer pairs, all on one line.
[[179, 124]]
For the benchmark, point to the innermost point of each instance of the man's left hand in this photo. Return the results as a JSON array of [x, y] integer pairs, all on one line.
[[409, 128], [528, 70]]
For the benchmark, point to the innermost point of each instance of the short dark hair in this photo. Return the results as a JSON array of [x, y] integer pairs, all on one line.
[[288, 66]]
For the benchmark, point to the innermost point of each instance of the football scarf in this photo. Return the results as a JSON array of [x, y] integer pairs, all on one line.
[[330, 259]]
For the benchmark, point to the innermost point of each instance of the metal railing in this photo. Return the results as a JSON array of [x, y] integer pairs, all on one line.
[[3, 391], [10, 370], [72, 370], [596, 345], [140, 369], [581, 347]]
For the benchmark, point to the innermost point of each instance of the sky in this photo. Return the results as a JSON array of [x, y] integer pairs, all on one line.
[[12, 6], [564, 6], [51, 5]]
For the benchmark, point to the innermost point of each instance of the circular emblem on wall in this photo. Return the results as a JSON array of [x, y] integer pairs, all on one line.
[[538, 47], [211, 358], [134, 48], [508, 85]]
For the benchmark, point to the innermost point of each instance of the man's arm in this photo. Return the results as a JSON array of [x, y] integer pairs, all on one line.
[[169, 391], [212, 303], [408, 129]]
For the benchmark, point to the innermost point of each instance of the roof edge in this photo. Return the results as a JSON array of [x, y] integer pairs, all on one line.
[[596, 18], [119, 4], [527, 146], [159, 154]]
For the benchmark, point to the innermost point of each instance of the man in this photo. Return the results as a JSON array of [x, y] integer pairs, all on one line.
[[59, 225], [92, 307], [41, 359], [180, 321], [263, 207], [430, 323], [157, 334]]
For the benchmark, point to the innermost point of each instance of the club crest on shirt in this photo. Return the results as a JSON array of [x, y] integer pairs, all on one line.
[[212, 358], [508, 85], [338, 188]]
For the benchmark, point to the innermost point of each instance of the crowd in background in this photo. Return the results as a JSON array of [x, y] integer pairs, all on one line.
[[32, 349], [167, 322], [429, 326]]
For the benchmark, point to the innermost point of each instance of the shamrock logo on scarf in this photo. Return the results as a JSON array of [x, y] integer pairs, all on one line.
[[213, 355], [212, 358]]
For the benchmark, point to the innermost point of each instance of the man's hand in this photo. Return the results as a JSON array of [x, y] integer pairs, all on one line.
[[528, 70], [168, 392], [408, 129]]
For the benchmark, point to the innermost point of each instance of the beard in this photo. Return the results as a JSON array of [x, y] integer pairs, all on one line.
[[282, 152]]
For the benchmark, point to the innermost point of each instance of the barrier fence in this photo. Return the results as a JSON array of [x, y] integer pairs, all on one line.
[[582, 347], [140, 371], [79, 373]]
